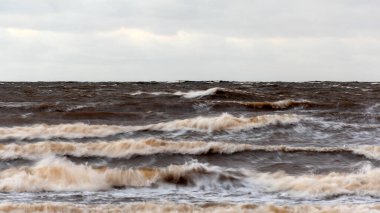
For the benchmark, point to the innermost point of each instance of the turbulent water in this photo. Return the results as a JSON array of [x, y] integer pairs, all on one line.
[[190, 147]]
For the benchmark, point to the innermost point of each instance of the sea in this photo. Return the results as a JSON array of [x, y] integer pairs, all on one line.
[[189, 147]]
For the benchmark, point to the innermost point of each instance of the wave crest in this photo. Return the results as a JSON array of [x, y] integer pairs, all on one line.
[[215, 91], [57, 174], [128, 148], [45, 131], [224, 122], [282, 104], [193, 93], [199, 93], [117, 149], [202, 124], [365, 182]]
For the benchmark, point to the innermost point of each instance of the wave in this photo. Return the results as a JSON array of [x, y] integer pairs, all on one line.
[[129, 148], [16, 104], [150, 93], [45, 131], [369, 151], [195, 93], [224, 122], [164, 206], [117, 149], [282, 104], [269, 105], [211, 92], [46, 106], [364, 182], [58, 174], [190, 94], [199, 93]]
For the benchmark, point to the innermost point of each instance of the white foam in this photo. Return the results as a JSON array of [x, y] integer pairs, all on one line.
[[224, 122], [202, 124], [128, 147], [198, 93], [365, 182]]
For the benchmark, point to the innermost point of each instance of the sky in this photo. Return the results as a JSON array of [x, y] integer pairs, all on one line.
[[170, 40]]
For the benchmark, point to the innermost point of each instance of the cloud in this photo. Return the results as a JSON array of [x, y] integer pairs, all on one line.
[[290, 40]]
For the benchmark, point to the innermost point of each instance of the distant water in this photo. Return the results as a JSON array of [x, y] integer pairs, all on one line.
[[190, 146]]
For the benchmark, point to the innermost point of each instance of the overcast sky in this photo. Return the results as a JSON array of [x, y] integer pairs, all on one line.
[[168, 40]]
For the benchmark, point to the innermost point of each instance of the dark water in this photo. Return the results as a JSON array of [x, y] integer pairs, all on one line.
[[190, 142]]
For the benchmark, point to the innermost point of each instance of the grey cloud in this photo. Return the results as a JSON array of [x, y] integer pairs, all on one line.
[[291, 40], [234, 18]]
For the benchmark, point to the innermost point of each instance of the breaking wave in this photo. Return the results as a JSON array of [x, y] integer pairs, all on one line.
[[128, 148], [199, 93], [45, 131], [224, 122], [117, 149], [364, 182], [179, 208], [196, 93], [58, 174], [211, 92]]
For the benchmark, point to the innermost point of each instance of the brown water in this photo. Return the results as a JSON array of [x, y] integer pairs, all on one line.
[[189, 146]]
